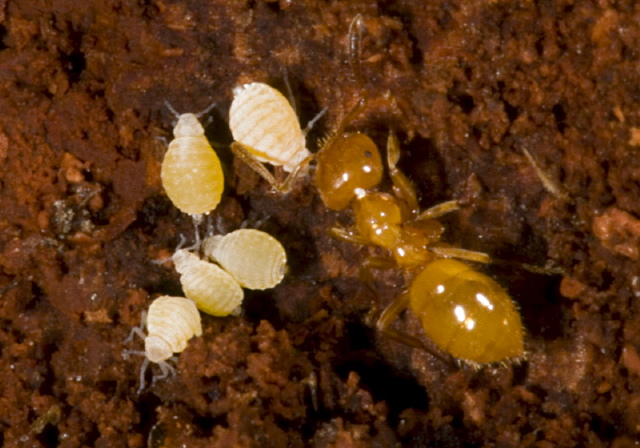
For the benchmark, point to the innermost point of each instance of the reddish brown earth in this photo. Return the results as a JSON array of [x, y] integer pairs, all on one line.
[[83, 214]]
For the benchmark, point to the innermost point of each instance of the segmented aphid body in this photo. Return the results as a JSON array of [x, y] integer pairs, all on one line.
[[171, 322], [191, 172], [263, 121], [213, 290], [254, 258]]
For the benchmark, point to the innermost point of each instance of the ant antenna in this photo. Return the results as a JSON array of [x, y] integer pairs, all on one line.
[[355, 47]]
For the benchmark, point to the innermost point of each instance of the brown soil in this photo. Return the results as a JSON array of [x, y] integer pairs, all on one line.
[[83, 214]]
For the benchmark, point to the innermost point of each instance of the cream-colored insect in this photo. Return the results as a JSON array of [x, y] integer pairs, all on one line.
[[191, 172], [254, 258], [265, 128], [214, 291], [170, 323]]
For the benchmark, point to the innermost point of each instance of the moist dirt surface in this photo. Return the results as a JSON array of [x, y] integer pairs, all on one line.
[[83, 216]]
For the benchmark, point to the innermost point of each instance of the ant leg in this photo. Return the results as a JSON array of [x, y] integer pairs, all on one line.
[[245, 154], [438, 211], [402, 186], [300, 170], [481, 257], [389, 315], [365, 273], [462, 254], [343, 234]]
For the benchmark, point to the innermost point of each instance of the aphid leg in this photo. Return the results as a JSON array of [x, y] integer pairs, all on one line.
[[547, 183], [402, 186], [139, 330], [439, 210], [193, 247], [166, 370], [390, 314], [143, 370], [197, 220], [220, 227]]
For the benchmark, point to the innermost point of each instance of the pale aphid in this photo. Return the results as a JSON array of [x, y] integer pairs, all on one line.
[[191, 172], [253, 257], [213, 290], [170, 323], [266, 129]]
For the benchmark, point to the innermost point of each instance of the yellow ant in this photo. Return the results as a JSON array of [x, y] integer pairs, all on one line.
[[464, 312]]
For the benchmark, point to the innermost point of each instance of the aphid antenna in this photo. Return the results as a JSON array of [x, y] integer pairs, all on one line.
[[206, 110], [292, 100], [163, 140], [313, 121], [172, 110], [287, 84]]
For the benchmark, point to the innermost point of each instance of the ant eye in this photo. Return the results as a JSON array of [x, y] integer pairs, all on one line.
[[347, 163]]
